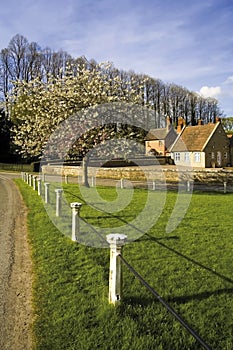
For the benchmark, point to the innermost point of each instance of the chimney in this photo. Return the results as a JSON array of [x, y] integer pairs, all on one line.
[[218, 119], [200, 122], [181, 124]]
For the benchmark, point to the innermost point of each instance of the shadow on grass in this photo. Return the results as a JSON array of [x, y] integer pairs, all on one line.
[[137, 301], [121, 218], [158, 241], [73, 195], [200, 296]]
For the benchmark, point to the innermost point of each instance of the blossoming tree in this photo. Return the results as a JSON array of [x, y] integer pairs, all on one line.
[[37, 108]]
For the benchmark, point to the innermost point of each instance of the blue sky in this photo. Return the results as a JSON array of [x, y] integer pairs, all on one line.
[[182, 42]]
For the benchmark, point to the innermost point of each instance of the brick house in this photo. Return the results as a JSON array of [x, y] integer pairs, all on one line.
[[230, 138], [204, 146], [158, 141]]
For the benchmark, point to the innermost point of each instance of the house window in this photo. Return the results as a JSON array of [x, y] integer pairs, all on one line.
[[186, 157], [212, 155], [177, 156], [225, 155], [219, 158], [197, 157], [160, 143]]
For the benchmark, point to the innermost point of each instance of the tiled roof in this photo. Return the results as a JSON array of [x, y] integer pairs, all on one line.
[[156, 134], [194, 138]]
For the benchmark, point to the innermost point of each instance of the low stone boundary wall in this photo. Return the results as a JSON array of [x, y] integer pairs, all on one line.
[[168, 174]]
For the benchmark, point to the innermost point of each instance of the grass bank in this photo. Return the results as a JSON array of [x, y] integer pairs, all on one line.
[[191, 268]]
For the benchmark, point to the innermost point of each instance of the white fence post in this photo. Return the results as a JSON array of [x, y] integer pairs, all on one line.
[[58, 201], [39, 190], [75, 206], [46, 185], [34, 182], [225, 187], [153, 185], [116, 241], [122, 183], [30, 179], [66, 179]]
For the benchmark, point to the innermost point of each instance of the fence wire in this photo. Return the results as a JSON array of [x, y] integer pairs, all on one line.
[[168, 307], [218, 187]]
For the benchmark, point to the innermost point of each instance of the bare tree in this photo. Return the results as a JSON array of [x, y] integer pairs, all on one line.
[[17, 51], [5, 72], [24, 61], [154, 97], [33, 66]]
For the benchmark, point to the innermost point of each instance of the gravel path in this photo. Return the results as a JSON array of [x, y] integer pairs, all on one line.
[[15, 270]]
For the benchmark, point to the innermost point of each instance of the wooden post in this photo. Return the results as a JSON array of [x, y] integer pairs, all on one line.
[[58, 201], [122, 183], [116, 241], [153, 185], [39, 190], [225, 187], [75, 206], [34, 182], [30, 179], [46, 185]]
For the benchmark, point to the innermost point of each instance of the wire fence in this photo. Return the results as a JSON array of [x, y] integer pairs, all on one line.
[[189, 186], [191, 331], [167, 306]]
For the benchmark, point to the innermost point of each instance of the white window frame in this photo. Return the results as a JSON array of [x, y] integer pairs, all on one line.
[[161, 143], [219, 158], [177, 156], [197, 157], [187, 157]]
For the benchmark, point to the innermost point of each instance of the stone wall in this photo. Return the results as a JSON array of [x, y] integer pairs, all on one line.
[[170, 173]]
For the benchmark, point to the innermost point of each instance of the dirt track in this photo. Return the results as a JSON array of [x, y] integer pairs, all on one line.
[[15, 270]]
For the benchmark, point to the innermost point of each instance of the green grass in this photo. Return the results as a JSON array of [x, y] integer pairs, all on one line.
[[191, 268]]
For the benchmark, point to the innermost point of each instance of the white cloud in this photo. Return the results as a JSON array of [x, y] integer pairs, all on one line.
[[169, 40], [213, 91], [229, 80]]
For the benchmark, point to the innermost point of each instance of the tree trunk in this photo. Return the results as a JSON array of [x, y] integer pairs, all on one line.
[[85, 171]]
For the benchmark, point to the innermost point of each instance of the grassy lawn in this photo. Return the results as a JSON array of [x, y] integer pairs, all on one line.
[[191, 268]]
